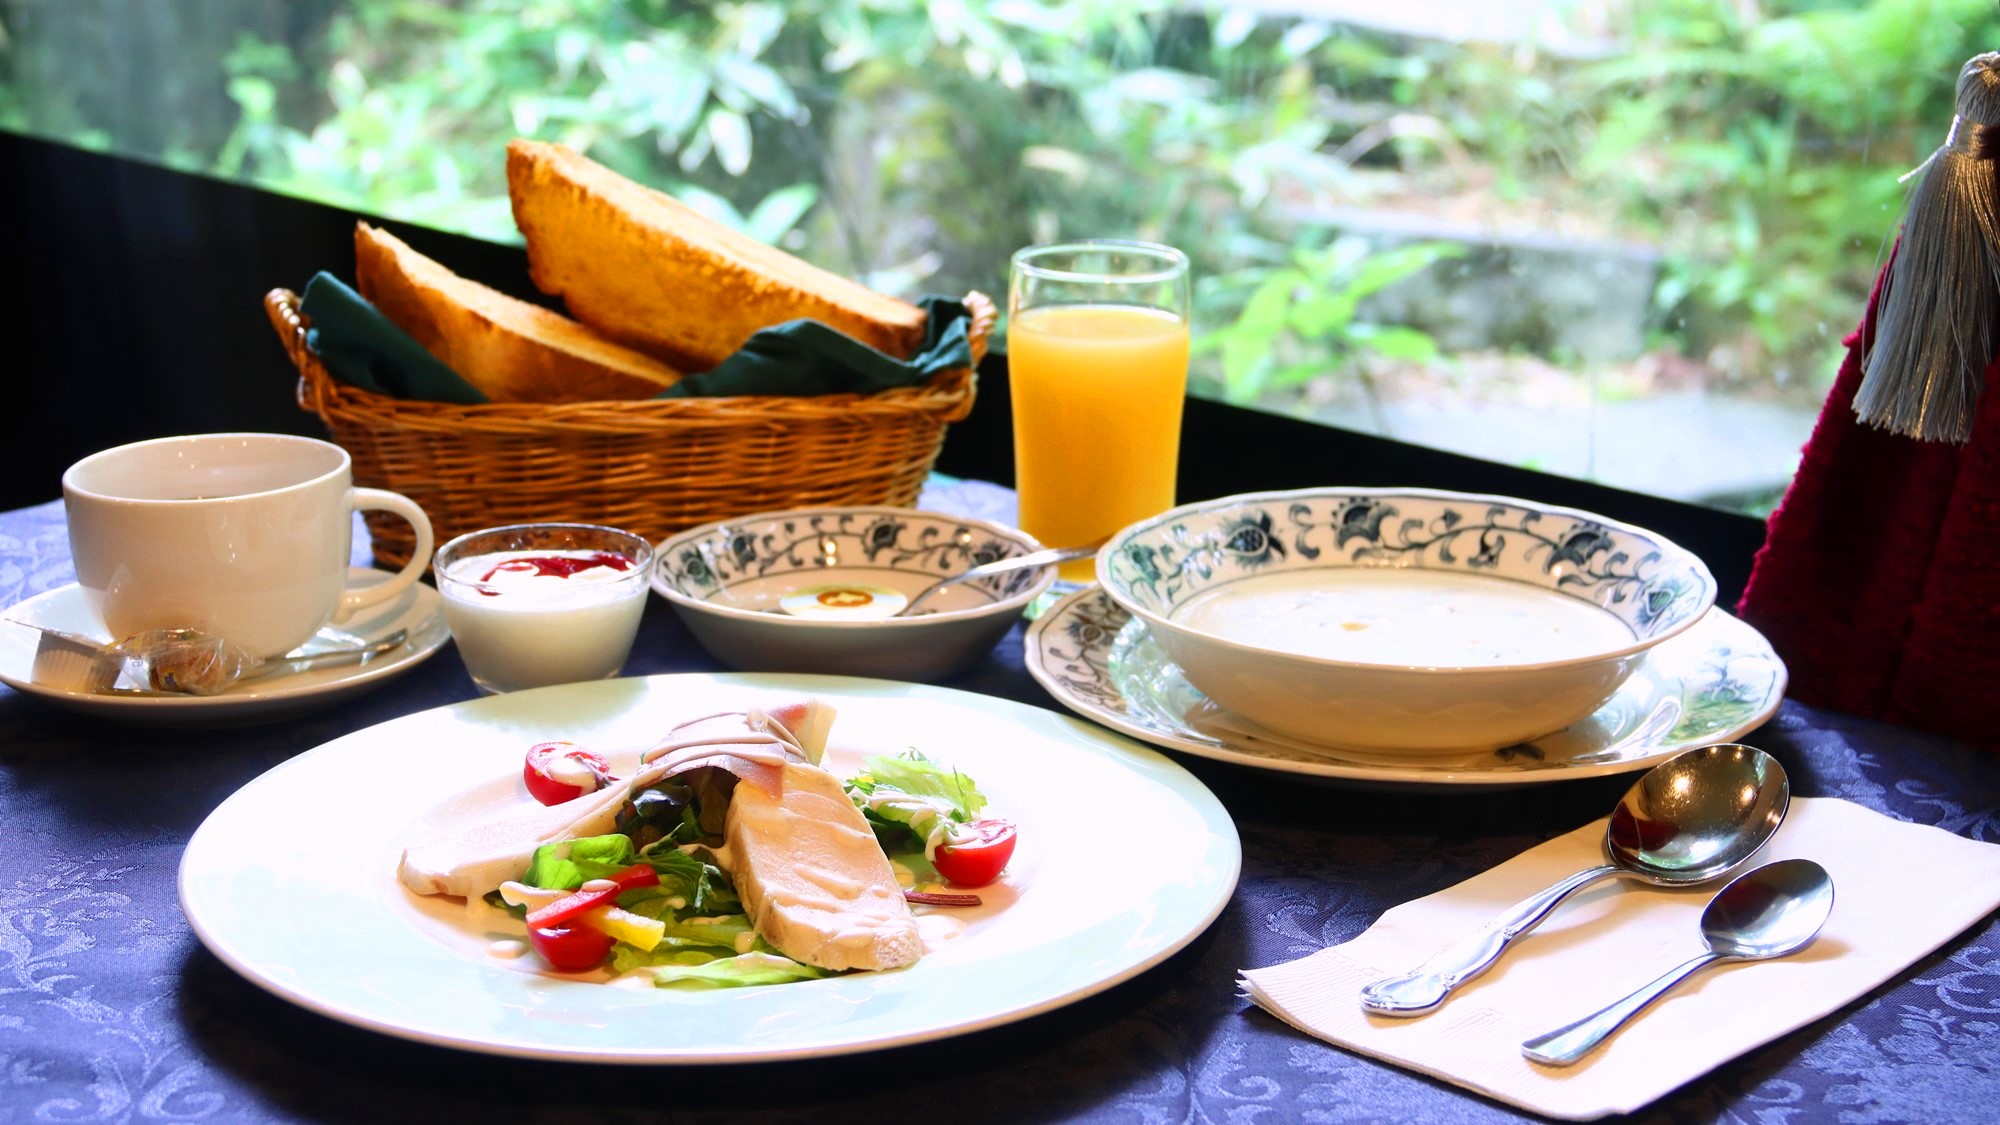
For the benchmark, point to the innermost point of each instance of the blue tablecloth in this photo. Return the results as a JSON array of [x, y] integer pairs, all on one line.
[[110, 1010]]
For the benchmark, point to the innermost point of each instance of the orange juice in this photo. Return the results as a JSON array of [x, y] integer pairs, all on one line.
[[1097, 392]]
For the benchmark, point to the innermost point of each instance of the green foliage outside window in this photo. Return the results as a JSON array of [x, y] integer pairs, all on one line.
[[1754, 146]]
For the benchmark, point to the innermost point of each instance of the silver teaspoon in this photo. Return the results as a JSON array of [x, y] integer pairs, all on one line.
[[1033, 560], [1685, 821], [1773, 911]]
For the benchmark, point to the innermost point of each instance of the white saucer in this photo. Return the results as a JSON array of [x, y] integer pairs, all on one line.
[[1713, 683], [279, 695]]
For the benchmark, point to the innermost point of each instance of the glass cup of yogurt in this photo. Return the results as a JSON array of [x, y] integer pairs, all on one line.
[[535, 604]]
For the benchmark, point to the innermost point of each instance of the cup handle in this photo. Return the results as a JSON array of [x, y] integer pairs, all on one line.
[[381, 500]]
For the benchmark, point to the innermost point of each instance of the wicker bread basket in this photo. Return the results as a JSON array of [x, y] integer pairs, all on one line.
[[652, 467]]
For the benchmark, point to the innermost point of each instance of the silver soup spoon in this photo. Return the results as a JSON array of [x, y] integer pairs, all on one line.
[[1685, 821], [1031, 561], [1773, 911]]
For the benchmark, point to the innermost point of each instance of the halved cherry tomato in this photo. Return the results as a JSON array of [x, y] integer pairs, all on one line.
[[576, 902], [572, 948], [977, 854], [556, 772]]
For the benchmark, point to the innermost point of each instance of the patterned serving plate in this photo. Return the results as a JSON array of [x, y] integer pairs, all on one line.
[[1713, 683]]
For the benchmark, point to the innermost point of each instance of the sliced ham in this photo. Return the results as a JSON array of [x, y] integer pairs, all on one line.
[[469, 858]]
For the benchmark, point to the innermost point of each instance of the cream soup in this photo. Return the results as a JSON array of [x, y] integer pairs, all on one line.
[[1404, 617]]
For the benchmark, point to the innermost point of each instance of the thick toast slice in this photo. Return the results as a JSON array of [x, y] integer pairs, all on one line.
[[650, 272], [511, 350]]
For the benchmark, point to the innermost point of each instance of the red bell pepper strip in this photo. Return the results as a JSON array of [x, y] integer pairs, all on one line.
[[576, 902]]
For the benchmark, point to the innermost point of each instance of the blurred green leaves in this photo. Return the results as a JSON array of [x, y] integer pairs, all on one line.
[[916, 143], [1302, 319]]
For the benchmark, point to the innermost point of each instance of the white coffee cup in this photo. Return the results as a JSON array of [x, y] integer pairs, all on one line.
[[246, 536]]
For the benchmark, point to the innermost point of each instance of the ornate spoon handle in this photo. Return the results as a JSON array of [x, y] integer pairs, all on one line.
[[1426, 986], [1048, 556], [1567, 1044]]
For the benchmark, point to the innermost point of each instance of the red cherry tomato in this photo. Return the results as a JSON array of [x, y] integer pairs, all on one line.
[[571, 948], [977, 854], [552, 767]]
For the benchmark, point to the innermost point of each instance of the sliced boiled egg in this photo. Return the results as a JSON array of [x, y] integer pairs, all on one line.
[[843, 600]]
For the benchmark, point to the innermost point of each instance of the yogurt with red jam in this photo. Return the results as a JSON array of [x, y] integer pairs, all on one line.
[[532, 617]]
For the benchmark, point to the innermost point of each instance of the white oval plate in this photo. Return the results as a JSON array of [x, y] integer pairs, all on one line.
[[1716, 681], [320, 919], [277, 696]]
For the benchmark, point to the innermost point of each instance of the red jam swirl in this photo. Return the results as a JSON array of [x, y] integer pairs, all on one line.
[[557, 566]]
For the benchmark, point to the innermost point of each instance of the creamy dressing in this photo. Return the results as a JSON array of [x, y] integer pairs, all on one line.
[[836, 883], [719, 853], [935, 928], [1399, 616], [567, 770], [478, 914], [507, 949], [928, 816]]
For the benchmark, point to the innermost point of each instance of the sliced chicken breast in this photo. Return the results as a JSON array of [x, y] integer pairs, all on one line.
[[814, 880]]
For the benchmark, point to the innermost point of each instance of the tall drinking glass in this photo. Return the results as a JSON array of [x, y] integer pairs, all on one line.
[[1097, 357]]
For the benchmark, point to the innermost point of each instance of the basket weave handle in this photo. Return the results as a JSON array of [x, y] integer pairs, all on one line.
[[282, 306], [984, 316]]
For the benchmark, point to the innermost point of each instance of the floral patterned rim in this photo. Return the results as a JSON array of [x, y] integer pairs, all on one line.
[[1715, 682], [694, 566], [1654, 587]]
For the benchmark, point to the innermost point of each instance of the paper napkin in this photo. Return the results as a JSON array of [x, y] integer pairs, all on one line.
[[1900, 891]]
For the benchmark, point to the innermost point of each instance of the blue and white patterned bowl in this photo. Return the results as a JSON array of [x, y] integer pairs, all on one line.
[[725, 580], [1651, 587]]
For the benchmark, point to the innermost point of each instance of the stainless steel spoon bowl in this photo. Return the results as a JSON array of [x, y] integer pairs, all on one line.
[[1687, 820], [1773, 911]]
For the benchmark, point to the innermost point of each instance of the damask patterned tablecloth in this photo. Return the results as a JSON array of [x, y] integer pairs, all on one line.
[[110, 1010]]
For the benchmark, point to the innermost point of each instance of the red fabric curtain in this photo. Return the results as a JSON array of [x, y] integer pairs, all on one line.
[[1879, 579]]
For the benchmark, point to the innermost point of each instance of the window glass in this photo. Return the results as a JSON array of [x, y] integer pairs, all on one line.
[[1614, 239]]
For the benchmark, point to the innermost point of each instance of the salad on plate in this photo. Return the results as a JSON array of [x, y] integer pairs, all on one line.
[[730, 856]]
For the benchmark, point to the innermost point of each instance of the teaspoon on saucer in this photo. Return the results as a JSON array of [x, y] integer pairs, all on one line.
[[1686, 821], [65, 660], [1774, 911]]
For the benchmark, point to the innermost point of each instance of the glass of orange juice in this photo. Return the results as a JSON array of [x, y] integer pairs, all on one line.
[[1097, 359]]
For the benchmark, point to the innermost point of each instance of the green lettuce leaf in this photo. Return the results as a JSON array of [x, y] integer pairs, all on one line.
[[693, 967], [569, 864], [911, 800], [701, 887], [688, 928]]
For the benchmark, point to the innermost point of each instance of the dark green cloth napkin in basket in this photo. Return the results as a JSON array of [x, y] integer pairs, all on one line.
[[362, 347]]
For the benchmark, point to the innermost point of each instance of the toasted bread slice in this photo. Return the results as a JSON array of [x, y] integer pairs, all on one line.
[[813, 879], [650, 272], [511, 350]]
